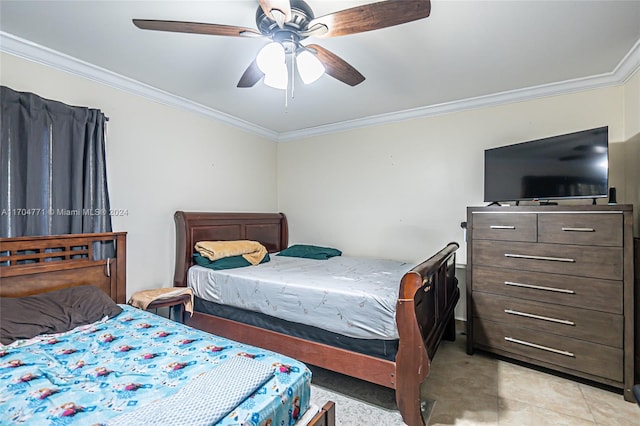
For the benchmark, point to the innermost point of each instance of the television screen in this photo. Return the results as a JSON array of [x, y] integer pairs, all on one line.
[[575, 165]]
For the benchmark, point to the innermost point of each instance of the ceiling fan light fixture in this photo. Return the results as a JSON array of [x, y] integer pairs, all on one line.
[[278, 77], [309, 67], [271, 57]]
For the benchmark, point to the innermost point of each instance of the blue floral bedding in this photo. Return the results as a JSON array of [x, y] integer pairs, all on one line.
[[97, 372]]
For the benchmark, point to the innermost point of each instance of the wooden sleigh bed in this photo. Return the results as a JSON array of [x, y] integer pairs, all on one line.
[[427, 296], [66, 261]]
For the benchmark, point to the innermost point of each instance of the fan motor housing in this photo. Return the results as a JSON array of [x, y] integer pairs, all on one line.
[[301, 15]]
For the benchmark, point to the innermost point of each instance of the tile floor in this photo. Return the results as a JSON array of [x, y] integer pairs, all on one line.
[[480, 390], [484, 390]]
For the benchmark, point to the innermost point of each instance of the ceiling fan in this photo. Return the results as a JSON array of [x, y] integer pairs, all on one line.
[[288, 22]]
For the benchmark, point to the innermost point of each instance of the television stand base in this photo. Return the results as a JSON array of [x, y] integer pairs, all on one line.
[[548, 203]]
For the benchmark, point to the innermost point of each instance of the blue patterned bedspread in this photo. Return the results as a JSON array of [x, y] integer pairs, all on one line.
[[100, 371]]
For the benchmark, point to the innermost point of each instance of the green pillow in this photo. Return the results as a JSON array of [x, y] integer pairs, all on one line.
[[310, 252], [230, 262]]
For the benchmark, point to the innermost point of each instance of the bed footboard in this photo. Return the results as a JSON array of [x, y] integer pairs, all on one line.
[[326, 416], [424, 315]]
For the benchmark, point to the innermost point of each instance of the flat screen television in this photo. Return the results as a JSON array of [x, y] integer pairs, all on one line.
[[575, 165]]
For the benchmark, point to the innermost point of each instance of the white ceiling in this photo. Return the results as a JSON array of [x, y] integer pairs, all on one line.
[[467, 53]]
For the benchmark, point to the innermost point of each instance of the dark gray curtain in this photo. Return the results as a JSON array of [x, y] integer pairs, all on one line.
[[53, 172]]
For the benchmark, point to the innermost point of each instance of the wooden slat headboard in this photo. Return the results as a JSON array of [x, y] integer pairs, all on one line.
[[59, 261], [270, 229]]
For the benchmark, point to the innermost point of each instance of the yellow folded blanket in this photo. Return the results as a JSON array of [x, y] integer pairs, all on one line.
[[252, 251], [142, 299]]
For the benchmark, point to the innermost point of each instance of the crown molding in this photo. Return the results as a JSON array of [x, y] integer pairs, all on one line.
[[25, 49], [34, 52], [630, 64], [625, 69]]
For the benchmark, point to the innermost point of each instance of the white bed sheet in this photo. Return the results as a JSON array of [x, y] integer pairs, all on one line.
[[355, 297]]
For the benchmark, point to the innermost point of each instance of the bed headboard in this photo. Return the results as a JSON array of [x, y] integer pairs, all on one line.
[[270, 229], [31, 265]]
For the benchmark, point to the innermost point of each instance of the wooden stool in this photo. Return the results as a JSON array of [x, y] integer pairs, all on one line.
[[175, 299], [175, 305]]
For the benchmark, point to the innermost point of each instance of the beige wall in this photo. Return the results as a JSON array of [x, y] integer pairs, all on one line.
[[632, 147], [632, 177], [632, 105], [160, 159], [400, 190]]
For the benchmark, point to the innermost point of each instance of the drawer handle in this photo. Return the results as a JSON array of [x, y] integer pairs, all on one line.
[[502, 227], [540, 317], [527, 256], [544, 348], [540, 287], [578, 229]]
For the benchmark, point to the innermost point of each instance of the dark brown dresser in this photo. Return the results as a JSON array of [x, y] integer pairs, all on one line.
[[553, 286]]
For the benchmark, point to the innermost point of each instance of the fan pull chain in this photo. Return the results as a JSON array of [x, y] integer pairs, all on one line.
[[289, 89], [291, 81], [293, 74], [286, 101]]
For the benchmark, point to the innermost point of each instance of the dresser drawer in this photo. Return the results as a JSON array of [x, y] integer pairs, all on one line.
[[592, 326], [583, 261], [588, 293], [578, 355], [597, 229], [505, 226]]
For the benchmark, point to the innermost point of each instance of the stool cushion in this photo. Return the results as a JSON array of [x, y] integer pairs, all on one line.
[[142, 299]]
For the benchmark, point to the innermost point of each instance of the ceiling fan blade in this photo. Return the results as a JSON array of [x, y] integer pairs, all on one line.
[[372, 16], [283, 6], [195, 28], [337, 67], [251, 75]]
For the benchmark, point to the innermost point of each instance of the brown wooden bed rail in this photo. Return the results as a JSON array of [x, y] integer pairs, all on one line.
[[424, 314], [31, 265]]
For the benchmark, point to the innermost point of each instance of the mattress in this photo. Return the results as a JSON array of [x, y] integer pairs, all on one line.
[[355, 297], [95, 373]]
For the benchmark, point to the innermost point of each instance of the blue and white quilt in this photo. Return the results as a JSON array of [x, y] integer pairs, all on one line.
[[108, 370]]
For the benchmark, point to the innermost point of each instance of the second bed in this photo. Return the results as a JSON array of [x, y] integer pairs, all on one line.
[[380, 322]]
